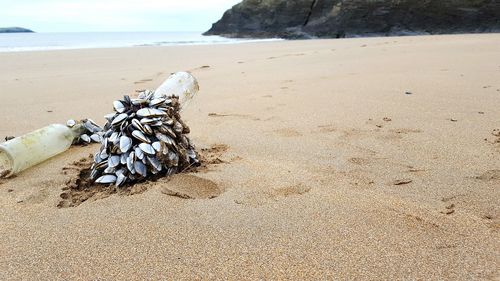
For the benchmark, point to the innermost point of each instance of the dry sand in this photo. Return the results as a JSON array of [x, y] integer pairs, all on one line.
[[329, 170]]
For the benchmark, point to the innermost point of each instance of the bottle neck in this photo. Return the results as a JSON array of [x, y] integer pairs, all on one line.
[[77, 130]]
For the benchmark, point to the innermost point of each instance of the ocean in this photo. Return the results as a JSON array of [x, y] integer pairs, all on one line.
[[17, 42]]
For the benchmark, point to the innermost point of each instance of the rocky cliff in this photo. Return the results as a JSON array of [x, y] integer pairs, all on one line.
[[350, 18], [13, 30]]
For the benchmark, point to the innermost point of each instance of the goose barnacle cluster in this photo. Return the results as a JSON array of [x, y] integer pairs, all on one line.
[[144, 136]]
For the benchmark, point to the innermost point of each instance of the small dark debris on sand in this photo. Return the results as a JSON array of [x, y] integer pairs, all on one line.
[[453, 120], [402, 181], [8, 138], [408, 93], [448, 211], [199, 68]]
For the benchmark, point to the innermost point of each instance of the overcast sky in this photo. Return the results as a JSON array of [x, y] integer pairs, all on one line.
[[112, 15]]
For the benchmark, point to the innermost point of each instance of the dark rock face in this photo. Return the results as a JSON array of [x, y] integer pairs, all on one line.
[[13, 30], [350, 18]]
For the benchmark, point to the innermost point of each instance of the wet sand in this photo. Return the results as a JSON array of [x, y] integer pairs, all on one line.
[[373, 158]]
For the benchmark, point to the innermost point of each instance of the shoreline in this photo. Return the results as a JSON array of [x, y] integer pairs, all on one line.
[[237, 42], [249, 41], [105, 40]]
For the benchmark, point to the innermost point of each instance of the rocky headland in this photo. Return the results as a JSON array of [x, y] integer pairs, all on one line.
[[352, 18], [15, 30]]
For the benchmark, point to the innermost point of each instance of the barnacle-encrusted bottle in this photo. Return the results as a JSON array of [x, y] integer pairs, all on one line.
[[20, 153], [145, 136]]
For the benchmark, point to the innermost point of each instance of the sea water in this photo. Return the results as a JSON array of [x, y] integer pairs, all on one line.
[[14, 42]]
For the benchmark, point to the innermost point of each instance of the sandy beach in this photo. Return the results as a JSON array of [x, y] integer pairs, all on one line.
[[373, 158]]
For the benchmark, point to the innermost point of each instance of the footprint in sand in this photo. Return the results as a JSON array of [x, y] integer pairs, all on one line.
[[327, 128], [405, 131], [191, 187], [213, 156], [287, 132], [354, 133], [242, 116], [143, 81], [412, 169], [490, 175], [286, 191], [262, 198], [287, 55], [36, 198], [359, 161], [397, 134], [392, 134], [271, 118]]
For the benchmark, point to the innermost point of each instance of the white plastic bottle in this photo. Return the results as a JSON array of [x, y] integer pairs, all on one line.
[[181, 84], [23, 152]]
